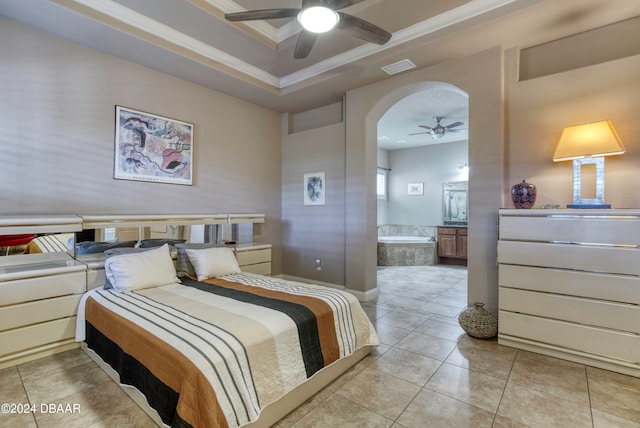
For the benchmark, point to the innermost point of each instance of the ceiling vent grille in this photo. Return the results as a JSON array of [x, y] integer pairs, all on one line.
[[398, 67]]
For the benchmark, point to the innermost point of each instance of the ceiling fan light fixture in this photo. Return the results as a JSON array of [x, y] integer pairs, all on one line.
[[318, 19], [437, 133]]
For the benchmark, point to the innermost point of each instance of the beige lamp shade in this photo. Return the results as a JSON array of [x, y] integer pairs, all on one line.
[[589, 140]]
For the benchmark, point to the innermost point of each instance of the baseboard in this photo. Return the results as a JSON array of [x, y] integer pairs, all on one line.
[[365, 296], [37, 353], [309, 281], [600, 361], [362, 296]]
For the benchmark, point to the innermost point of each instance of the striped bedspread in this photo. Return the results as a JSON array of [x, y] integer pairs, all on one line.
[[215, 353], [49, 244]]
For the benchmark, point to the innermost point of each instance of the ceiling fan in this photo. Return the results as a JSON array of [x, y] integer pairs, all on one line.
[[438, 131], [318, 16]]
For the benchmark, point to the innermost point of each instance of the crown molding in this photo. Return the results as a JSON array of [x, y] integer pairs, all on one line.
[[150, 27], [261, 27]]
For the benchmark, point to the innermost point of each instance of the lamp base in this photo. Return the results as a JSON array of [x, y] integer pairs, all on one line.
[[589, 206]]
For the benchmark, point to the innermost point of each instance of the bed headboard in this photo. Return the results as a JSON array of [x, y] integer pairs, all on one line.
[[192, 227]]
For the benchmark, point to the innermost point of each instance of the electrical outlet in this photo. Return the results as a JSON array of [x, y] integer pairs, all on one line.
[[318, 267]]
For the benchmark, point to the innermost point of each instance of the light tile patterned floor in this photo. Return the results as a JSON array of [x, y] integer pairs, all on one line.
[[426, 373]]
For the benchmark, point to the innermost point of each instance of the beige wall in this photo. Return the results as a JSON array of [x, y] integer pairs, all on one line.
[[364, 108], [433, 165], [57, 137], [314, 232], [540, 108]]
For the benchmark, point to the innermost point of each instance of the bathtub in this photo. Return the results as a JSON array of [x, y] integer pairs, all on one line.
[[406, 251]]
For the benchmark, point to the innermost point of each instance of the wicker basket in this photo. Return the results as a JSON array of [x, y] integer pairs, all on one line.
[[478, 322]]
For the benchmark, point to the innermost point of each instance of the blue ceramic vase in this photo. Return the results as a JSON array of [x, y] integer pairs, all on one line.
[[523, 194]]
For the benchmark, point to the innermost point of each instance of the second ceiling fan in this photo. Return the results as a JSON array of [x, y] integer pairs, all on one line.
[[438, 131], [318, 16]]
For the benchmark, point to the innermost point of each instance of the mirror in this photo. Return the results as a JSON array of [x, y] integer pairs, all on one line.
[[36, 243], [194, 233], [41, 238], [100, 232], [135, 233], [455, 201]]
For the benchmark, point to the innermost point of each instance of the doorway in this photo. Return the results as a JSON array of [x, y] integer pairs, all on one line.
[[481, 77], [423, 145]]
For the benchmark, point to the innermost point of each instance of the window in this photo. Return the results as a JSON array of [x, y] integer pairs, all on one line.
[[381, 184]]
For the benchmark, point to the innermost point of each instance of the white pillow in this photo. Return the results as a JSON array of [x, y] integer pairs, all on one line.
[[135, 271], [212, 262]]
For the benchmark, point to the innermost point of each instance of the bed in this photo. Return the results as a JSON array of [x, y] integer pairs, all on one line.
[[219, 347]]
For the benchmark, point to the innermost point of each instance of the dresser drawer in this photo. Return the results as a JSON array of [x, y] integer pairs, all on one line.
[[617, 316], [591, 258], [96, 278], [570, 228], [618, 288], [39, 311], [25, 290], [259, 268], [253, 257], [20, 339], [577, 337], [447, 231]]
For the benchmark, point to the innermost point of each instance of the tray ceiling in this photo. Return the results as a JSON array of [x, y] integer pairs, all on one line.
[[191, 39]]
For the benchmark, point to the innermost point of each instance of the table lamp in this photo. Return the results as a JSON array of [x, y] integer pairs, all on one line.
[[588, 144]]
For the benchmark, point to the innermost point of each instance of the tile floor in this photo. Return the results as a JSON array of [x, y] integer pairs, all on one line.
[[426, 373]]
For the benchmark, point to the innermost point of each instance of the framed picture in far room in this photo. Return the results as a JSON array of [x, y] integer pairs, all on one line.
[[314, 188], [415, 189]]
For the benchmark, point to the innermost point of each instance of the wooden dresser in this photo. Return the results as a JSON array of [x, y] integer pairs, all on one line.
[[569, 285], [39, 294]]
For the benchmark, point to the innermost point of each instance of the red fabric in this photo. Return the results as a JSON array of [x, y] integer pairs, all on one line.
[[11, 240]]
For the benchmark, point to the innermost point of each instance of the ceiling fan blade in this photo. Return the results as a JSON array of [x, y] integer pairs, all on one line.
[[341, 4], [253, 15], [363, 29], [305, 42], [425, 127], [457, 130], [453, 125], [418, 133]]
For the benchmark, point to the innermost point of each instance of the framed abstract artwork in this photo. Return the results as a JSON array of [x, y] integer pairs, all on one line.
[[314, 188], [152, 148]]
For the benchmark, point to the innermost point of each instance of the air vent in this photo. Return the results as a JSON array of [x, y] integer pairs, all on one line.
[[398, 67]]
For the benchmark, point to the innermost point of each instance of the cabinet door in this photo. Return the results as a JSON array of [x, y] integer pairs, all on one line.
[[462, 246], [447, 246]]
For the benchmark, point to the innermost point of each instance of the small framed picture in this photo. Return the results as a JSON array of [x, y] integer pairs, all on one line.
[[415, 189], [314, 188]]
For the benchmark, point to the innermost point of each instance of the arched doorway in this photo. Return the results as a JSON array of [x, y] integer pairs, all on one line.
[[423, 142], [426, 132], [478, 75]]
